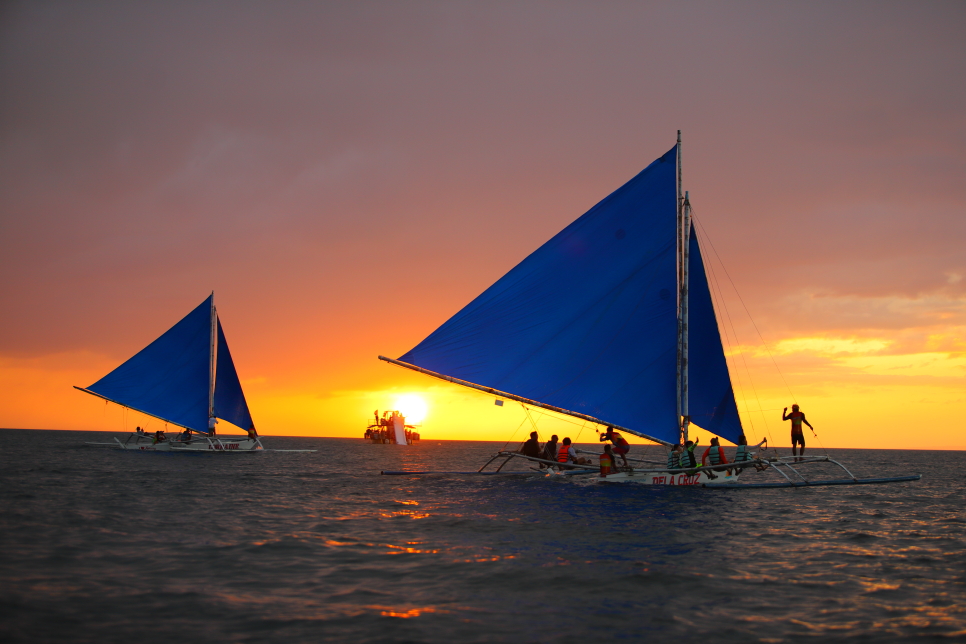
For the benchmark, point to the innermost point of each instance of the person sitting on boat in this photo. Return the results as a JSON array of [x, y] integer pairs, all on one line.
[[744, 452], [550, 449], [159, 436], [674, 457], [531, 447], [568, 454], [687, 454], [607, 462], [139, 431], [621, 447], [252, 434], [714, 455], [798, 436]]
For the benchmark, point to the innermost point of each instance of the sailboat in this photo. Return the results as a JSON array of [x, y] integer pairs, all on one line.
[[187, 379], [611, 322]]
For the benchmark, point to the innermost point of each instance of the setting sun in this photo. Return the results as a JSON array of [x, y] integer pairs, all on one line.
[[413, 407]]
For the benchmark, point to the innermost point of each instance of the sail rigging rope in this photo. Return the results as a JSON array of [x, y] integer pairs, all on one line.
[[730, 323], [704, 234]]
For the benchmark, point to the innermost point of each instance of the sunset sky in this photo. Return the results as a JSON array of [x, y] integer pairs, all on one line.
[[346, 176]]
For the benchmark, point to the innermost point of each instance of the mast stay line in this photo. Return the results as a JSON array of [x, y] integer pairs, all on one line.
[[521, 399]]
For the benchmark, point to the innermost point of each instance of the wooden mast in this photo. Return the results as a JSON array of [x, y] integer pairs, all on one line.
[[685, 282], [213, 361], [681, 301]]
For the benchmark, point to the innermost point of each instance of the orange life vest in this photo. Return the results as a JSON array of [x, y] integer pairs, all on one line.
[[606, 464], [564, 455]]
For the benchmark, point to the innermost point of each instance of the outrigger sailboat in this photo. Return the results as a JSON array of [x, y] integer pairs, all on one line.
[[611, 322], [187, 379]]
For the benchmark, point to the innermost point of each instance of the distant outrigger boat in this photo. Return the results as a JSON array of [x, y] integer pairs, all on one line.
[[187, 379], [611, 322]]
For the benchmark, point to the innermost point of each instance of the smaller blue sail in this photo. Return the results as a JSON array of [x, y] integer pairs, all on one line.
[[230, 403], [711, 399], [168, 378]]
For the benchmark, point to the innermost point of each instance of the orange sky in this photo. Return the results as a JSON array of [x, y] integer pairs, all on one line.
[[346, 177]]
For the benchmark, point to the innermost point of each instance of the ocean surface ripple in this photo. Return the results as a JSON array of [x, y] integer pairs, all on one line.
[[100, 545]]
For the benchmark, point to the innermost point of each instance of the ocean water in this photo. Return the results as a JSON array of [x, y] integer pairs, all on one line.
[[100, 545]]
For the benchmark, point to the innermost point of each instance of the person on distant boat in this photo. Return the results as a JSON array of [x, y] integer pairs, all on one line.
[[607, 462], [568, 454], [714, 455], [531, 447], [211, 425], [621, 447], [159, 436], [674, 457], [798, 436], [139, 431], [550, 449], [252, 434]]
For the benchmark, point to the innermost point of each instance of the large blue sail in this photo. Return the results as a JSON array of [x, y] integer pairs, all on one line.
[[711, 399], [169, 377], [230, 403], [588, 321]]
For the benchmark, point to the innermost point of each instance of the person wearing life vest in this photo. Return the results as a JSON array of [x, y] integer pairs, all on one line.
[[607, 462], [674, 458], [744, 452], [798, 436], [568, 454], [687, 454], [714, 455], [621, 447]]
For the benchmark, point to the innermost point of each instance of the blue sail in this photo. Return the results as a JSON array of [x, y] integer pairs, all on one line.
[[230, 403], [169, 377], [588, 321], [711, 399]]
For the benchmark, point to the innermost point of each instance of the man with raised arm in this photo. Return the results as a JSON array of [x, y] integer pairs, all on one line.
[[798, 436]]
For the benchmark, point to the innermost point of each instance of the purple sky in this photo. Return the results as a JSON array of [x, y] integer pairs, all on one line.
[[312, 161]]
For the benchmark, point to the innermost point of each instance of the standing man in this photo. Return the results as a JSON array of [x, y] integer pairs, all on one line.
[[798, 437]]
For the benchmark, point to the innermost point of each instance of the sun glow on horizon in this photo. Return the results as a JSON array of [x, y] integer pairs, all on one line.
[[413, 407]]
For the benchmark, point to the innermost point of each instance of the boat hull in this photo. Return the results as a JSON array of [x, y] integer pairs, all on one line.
[[226, 445], [670, 479]]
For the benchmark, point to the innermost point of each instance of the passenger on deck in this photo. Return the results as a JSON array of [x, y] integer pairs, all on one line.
[[531, 447], [744, 452], [674, 457], [159, 437], [687, 456], [621, 447], [550, 449], [568, 454], [139, 431], [714, 455], [607, 462], [252, 434]]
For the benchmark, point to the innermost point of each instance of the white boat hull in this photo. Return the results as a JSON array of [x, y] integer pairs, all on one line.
[[201, 444], [670, 479]]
